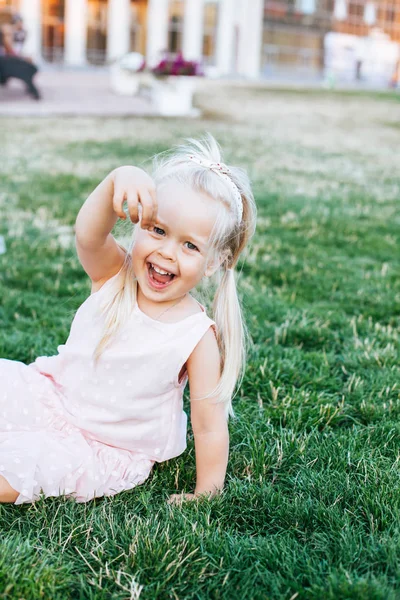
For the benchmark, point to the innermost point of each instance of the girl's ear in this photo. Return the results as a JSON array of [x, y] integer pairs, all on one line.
[[215, 263], [211, 269]]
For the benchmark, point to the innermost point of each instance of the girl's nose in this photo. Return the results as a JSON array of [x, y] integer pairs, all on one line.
[[168, 250]]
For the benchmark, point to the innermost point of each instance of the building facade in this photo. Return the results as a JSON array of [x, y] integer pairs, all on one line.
[[295, 31], [231, 37], [224, 34]]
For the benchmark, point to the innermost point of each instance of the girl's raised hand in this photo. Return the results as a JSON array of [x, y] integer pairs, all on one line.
[[136, 187]]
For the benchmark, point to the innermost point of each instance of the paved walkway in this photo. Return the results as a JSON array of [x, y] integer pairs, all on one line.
[[68, 93], [87, 92]]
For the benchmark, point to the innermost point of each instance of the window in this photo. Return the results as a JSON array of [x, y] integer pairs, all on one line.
[[391, 13], [53, 30], [356, 8], [96, 31], [210, 32], [138, 26], [175, 26]]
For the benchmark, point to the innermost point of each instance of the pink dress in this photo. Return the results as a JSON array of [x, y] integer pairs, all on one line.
[[69, 428]]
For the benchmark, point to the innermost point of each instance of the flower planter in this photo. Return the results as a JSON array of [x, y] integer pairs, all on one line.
[[173, 95]]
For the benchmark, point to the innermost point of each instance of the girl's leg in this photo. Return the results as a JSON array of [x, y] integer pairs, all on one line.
[[7, 493]]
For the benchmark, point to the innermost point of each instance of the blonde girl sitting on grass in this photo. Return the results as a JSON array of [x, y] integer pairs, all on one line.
[[92, 420]]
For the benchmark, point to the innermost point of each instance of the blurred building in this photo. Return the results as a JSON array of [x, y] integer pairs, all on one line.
[[295, 31], [225, 34], [242, 37]]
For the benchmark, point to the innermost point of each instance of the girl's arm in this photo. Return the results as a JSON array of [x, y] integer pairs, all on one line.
[[98, 252], [209, 423]]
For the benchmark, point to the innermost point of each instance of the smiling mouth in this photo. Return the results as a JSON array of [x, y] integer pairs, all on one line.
[[159, 278]]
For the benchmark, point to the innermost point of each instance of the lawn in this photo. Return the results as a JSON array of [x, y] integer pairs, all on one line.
[[311, 506]]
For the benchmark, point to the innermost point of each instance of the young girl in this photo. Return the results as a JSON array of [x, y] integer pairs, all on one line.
[[93, 420]]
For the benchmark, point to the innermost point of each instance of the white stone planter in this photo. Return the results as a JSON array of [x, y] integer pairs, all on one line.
[[173, 95], [125, 74], [123, 82]]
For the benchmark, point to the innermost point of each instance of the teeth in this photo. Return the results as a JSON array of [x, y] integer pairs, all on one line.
[[160, 271]]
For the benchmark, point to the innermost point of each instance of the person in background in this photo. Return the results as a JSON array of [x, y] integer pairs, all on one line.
[[13, 64], [19, 34], [6, 40]]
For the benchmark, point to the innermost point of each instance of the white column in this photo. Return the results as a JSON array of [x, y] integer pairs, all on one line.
[[193, 27], [250, 38], [225, 37], [30, 11], [118, 28], [157, 30], [75, 32]]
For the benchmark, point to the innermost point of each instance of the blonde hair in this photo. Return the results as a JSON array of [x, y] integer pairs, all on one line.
[[228, 239]]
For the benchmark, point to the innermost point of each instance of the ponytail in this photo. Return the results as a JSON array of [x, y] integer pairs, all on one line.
[[231, 336]]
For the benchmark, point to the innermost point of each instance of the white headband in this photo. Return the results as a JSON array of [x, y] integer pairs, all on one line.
[[223, 171]]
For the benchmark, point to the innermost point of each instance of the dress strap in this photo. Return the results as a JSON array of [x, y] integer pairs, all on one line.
[[212, 323]]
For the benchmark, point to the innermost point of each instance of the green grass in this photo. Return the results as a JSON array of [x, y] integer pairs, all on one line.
[[311, 506]]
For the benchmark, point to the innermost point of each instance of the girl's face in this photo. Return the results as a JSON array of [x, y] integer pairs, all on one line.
[[170, 259]]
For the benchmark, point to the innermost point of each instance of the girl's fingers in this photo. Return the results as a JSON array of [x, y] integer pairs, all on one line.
[[133, 206], [154, 202], [118, 201], [146, 197], [148, 216], [179, 498]]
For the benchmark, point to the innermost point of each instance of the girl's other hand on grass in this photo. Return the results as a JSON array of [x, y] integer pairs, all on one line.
[[136, 187], [179, 498]]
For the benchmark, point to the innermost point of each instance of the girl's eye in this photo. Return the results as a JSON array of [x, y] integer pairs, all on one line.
[[191, 246], [158, 230]]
